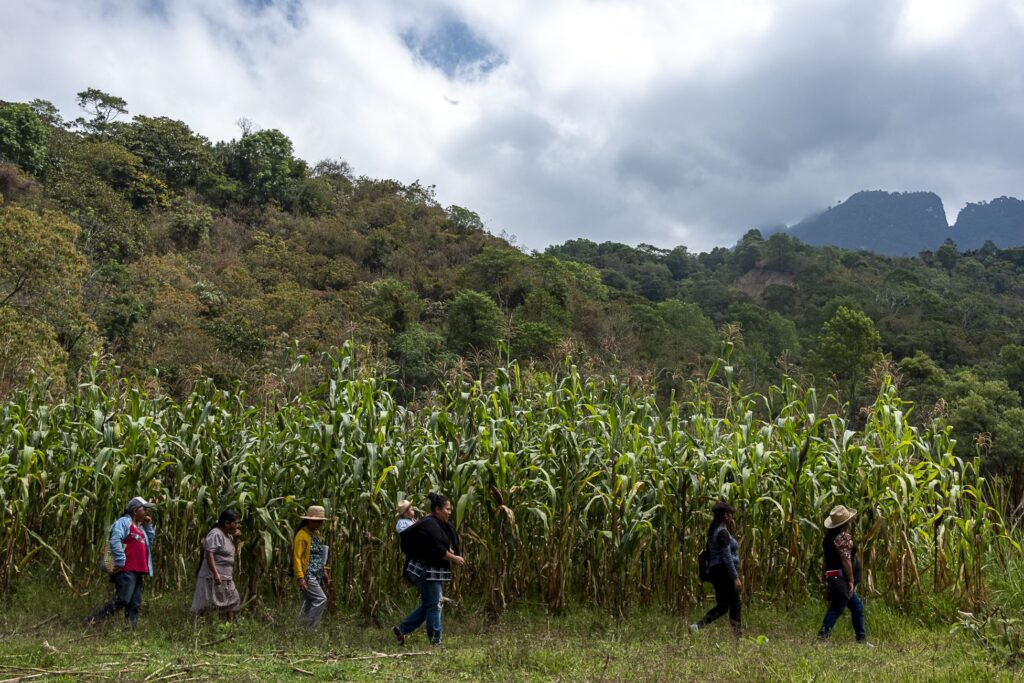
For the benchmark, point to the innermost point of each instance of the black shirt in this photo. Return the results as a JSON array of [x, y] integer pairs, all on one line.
[[429, 540]]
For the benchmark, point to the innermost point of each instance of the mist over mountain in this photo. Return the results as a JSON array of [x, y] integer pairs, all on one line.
[[908, 223]]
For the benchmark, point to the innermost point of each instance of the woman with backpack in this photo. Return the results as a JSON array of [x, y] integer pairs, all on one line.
[[309, 565], [431, 545], [841, 573], [723, 563], [215, 585]]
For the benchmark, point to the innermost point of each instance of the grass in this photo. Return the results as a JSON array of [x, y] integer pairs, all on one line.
[[41, 632]]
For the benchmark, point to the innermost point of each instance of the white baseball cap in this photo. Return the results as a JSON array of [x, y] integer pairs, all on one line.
[[138, 502]]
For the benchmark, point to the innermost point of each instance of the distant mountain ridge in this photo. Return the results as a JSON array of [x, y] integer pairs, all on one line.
[[1000, 220], [907, 223]]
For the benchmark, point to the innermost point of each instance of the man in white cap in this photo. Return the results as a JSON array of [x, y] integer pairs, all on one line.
[[841, 573], [131, 541]]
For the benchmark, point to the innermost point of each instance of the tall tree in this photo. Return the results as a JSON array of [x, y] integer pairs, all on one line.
[[263, 163], [41, 276], [474, 322], [22, 137], [170, 151], [40, 268], [104, 109], [848, 347]]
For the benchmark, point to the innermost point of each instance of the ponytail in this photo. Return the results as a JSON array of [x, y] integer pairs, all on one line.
[[437, 501]]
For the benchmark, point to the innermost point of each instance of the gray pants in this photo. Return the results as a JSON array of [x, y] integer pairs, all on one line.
[[314, 601]]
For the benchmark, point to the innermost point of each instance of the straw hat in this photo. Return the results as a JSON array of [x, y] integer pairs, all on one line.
[[839, 516], [315, 512], [403, 508]]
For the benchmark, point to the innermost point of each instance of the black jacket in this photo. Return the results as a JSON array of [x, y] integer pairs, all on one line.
[[429, 540], [833, 560]]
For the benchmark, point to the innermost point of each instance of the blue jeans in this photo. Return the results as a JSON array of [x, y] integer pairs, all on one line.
[[127, 595], [429, 610], [838, 602]]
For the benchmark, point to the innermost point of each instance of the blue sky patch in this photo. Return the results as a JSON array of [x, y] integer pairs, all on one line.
[[452, 47]]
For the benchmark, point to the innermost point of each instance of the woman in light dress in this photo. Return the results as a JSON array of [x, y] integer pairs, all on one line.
[[215, 584]]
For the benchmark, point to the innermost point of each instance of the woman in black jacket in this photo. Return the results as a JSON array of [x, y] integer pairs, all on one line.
[[431, 544], [724, 562]]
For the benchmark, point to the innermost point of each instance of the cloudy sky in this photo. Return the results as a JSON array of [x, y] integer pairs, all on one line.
[[660, 121]]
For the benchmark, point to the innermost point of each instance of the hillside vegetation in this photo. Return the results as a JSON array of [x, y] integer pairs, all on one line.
[[179, 258]]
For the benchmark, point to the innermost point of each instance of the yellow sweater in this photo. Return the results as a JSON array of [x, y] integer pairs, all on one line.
[[300, 553]]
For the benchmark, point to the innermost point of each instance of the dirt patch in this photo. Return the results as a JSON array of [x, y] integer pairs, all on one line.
[[754, 282]]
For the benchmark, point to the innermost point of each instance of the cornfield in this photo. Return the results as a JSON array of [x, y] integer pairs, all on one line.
[[567, 489]]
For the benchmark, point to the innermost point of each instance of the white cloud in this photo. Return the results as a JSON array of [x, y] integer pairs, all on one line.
[[662, 121], [934, 22]]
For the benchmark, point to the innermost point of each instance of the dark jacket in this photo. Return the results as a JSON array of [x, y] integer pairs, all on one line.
[[429, 540], [724, 550], [834, 561]]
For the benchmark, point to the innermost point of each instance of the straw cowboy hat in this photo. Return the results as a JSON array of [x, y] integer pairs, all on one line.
[[839, 516], [314, 512], [403, 507]]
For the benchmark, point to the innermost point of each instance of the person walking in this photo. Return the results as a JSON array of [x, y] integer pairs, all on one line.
[[841, 575], [215, 584], [309, 564], [431, 545], [724, 564], [131, 541]]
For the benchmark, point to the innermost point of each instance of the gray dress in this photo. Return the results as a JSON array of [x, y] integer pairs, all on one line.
[[209, 596]]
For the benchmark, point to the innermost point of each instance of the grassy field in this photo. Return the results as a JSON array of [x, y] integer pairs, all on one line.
[[41, 634]]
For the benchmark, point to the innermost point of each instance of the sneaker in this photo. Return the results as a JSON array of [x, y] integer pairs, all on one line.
[[399, 636], [694, 628], [865, 643]]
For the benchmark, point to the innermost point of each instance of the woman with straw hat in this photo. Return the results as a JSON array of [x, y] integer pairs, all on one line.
[[309, 564], [842, 573]]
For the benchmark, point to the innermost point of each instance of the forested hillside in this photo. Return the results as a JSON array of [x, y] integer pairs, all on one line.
[[177, 258]]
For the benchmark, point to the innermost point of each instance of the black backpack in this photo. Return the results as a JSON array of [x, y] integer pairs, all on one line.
[[703, 560], [703, 570], [407, 540]]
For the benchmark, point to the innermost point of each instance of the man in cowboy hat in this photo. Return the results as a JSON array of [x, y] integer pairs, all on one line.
[[841, 573]]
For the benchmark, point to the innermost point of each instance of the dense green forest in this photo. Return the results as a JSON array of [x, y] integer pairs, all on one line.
[[178, 258]]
